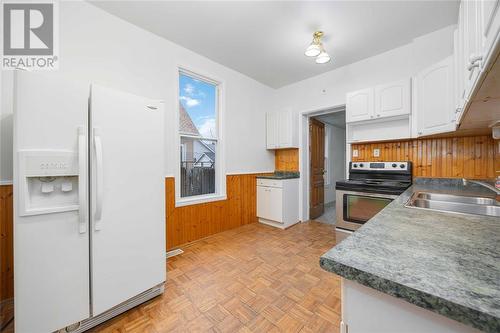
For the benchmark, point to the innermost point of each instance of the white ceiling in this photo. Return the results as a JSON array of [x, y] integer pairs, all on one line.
[[266, 40]]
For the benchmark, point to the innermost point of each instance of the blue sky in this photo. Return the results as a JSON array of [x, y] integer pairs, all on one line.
[[198, 98]]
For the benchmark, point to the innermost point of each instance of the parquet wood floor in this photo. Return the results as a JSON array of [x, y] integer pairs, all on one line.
[[251, 279]]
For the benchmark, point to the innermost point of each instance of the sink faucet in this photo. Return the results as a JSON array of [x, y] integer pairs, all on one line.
[[484, 184]]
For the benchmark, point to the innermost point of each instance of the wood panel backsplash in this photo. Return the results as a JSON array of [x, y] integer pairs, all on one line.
[[6, 243], [448, 157], [286, 159], [190, 223]]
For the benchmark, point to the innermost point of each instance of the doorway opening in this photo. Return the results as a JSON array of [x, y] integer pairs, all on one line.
[[327, 163]]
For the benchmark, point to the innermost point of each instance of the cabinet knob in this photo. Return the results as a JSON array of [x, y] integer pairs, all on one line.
[[419, 133], [378, 115]]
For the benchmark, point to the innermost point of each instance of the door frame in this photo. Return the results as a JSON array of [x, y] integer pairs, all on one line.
[[304, 162]]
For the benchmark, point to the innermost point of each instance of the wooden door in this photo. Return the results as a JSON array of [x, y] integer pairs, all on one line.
[[317, 164]]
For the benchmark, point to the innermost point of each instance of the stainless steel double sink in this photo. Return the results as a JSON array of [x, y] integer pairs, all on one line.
[[455, 203]]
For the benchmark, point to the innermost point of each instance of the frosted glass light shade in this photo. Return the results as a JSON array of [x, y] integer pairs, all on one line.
[[313, 50], [322, 58]]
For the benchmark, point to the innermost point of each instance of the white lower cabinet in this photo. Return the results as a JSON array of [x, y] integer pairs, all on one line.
[[367, 310], [278, 202]]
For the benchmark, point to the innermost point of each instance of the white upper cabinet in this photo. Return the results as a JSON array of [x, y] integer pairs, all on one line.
[[359, 105], [285, 129], [281, 130], [392, 99], [272, 130], [386, 100], [472, 50], [489, 11], [434, 103]]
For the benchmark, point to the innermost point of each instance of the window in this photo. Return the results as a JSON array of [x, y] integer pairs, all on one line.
[[200, 171]]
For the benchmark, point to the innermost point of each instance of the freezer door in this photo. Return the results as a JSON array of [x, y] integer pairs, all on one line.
[[51, 239], [127, 195]]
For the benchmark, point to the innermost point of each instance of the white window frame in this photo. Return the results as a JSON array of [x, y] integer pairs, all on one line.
[[220, 169]]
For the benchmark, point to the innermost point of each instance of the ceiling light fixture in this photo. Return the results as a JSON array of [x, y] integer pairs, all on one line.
[[323, 57], [316, 49]]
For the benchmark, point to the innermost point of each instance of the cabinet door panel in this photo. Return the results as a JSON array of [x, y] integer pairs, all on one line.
[[275, 202], [434, 105], [271, 130], [392, 99], [472, 45], [262, 202], [285, 130], [490, 25], [359, 105]]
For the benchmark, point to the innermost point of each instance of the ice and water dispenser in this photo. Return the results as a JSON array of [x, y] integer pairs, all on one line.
[[48, 181]]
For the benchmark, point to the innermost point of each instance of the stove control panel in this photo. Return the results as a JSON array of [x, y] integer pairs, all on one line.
[[386, 166]]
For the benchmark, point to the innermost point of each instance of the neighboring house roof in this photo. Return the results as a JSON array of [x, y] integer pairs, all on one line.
[[186, 125], [209, 147], [209, 155]]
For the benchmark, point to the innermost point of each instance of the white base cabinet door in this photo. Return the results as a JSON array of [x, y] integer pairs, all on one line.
[[434, 104], [278, 202], [367, 310]]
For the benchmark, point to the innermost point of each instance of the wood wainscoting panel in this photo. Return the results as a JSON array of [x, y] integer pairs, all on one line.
[[448, 157], [6, 242], [190, 223], [286, 159]]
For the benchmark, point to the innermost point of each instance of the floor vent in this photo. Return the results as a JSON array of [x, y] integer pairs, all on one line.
[[174, 253]]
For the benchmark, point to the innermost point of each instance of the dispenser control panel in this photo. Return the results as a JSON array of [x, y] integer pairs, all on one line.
[[46, 165], [49, 181]]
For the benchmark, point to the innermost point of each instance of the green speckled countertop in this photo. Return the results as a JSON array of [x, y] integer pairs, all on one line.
[[445, 262], [282, 175]]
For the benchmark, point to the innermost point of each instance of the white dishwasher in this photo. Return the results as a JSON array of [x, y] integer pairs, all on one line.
[[278, 202]]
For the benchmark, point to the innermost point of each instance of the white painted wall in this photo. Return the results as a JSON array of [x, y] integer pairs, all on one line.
[[99, 47], [336, 147], [329, 89], [116, 53]]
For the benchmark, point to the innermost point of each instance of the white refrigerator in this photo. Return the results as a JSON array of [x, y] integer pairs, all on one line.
[[89, 215]]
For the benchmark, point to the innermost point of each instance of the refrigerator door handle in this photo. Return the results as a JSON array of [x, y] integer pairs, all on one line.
[[99, 178], [82, 185]]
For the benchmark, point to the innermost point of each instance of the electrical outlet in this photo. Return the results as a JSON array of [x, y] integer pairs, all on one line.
[[376, 152], [355, 153]]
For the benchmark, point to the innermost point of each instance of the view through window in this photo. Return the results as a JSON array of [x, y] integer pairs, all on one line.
[[198, 135]]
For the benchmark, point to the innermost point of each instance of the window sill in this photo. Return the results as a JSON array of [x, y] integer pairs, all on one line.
[[199, 199]]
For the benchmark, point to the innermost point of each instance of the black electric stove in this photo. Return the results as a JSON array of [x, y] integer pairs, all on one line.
[[377, 177]]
